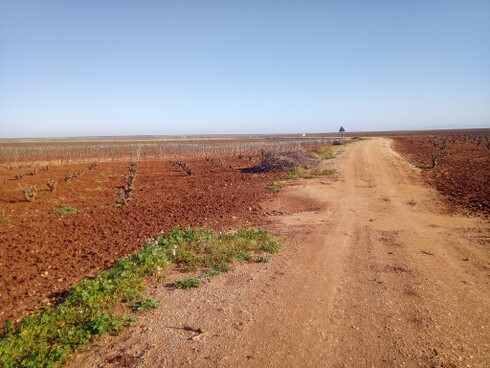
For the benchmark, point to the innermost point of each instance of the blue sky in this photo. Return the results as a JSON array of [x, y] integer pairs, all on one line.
[[70, 68]]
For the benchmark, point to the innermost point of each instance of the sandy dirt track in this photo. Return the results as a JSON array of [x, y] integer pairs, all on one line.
[[373, 273]]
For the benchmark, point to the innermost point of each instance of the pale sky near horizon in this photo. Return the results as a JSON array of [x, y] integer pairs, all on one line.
[[71, 68]]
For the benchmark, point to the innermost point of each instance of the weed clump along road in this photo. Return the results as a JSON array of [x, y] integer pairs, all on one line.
[[87, 311]]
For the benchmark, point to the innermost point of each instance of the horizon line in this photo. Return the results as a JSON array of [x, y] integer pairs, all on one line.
[[243, 135]]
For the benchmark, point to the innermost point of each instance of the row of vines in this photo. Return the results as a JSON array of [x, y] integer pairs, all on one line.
[[23, 153]]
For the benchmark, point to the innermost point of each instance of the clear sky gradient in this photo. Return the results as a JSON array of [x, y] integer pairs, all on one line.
[[99, 67]]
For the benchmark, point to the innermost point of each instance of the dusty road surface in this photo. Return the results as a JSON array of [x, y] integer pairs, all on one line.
[[373, 273]]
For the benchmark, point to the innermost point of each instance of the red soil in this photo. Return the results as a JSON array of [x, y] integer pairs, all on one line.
[[462, 174], [42, 254]]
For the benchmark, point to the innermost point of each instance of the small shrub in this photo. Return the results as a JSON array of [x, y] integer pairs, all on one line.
[[19, 176], [67, 177], [29, 191], [126, 192], [51, 184], [183, 166], [187, 283]]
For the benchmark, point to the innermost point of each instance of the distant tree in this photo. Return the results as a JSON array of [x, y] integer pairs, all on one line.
[[341, 131]]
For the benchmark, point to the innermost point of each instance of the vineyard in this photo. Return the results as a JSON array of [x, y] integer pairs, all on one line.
[[61, 151], [67, 211], [457, 164]]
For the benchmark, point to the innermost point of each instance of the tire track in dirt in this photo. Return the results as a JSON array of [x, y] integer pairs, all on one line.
[[371, 274]]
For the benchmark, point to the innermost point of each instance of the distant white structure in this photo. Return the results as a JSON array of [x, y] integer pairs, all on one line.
[[303, 135]]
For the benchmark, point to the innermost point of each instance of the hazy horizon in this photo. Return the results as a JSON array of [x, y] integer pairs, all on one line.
[[126, 68], [434, 128]]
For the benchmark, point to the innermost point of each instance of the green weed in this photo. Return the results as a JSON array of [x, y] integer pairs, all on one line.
[[312, 174], [145, 305], [301, 172], [187, 283], [295, 173], [212, 272], [243, 256], [48, 337], [65, 210], [7, 326], [275, 186], [325, 152], [223, 267], [194, 249]]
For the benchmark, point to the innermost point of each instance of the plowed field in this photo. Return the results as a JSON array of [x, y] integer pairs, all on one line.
[[461, 174], [43, 253]]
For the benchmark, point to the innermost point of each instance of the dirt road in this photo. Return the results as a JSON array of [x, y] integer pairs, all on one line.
[[373, 273]]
